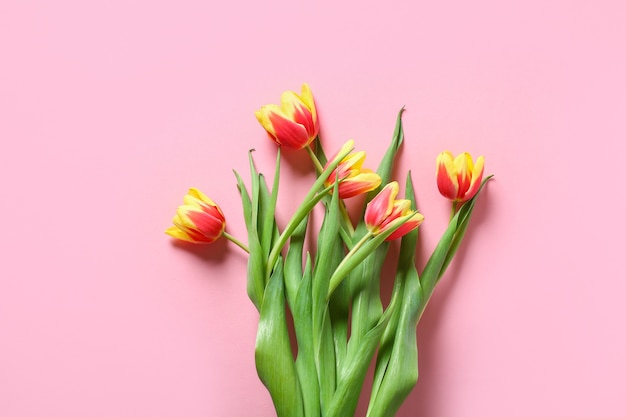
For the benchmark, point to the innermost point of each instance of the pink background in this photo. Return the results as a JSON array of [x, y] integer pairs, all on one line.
[[109, 111]]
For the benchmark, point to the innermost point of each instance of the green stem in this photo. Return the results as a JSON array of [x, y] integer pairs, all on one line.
[[236, 242], [358, 245], [318, 166], [334, 283], [346, 218], [455, 206]]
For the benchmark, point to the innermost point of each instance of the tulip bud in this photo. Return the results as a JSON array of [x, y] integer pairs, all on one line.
[[385, 209], [294, 123], [353, 179], [199, 220], [458, 179]]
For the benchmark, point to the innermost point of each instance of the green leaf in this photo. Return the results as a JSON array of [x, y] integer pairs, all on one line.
[[268, 229], [468, 209], [350, 383], [396, 366], [339, 309], [266, 223], [364, 278], [442, 255], [256, 259], [273, 355], [319, 152], [364, 284], [385, 169], [245, 200], [293, 263], [305, 362], [329, 249]]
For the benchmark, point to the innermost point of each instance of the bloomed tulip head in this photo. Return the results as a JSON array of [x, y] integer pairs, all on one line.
[[199, 220], [458, 179], [353, 178], [292, 124], [384, 209]]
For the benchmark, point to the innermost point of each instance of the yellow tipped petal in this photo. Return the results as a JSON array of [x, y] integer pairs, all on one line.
[[346, 146], [307, 97], [175, 232], [288, 103], [478, 168], [263, 116], [354, 160]]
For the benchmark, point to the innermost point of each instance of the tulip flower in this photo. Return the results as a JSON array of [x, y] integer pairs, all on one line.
[[458, 179], [385, 209], [353, 179], [294, 123], [199, 220]]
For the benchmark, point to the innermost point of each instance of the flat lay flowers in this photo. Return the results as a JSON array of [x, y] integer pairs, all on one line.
[[322, 321]]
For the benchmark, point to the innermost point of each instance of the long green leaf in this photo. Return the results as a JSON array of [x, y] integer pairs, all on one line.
[[305, 362], [339, 310], [326, 260], [293, 263], [245, 200], [256, 260], [267, 222], [442, 255], [385, 168], [468, 209], [396, 367], [273, 356], [349, 386], [364, 283]]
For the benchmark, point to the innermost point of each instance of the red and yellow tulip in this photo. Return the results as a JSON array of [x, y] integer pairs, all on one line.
[[292, 124], [353, 178], [199, 220], [458, 179], [385, 209]]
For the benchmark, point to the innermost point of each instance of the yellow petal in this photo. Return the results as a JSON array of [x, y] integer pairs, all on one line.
[[307, 97], [478, 167], [179, 234], [263, 116]]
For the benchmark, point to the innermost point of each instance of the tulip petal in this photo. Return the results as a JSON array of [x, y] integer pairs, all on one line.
[[464, 166], [477, 177], [207, 224], [344, 148], [263, 116], [380, 206], [179, 234], [410, 225], [359, 184], [287, 133], [447, 176], [296, 110], [194, 192], [307, 98]]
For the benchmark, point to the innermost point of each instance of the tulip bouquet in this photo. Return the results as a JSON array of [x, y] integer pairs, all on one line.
[[322, 322]]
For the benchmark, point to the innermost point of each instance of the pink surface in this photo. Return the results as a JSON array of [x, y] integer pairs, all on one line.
[[109, 111]]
